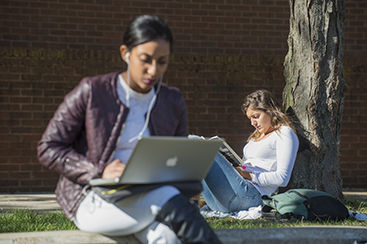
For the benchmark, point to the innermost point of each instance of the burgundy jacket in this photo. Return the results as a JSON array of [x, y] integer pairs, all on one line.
[[81, 137]]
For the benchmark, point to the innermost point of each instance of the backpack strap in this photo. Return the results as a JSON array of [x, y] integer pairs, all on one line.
[[298, 193], [270, 213]]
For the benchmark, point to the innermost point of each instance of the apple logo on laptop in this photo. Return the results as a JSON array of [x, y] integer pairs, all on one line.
[[171, 162]]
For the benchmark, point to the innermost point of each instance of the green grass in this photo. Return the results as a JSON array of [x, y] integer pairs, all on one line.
[[30, 220]]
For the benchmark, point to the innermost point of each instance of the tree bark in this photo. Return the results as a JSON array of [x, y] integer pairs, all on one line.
[[314, 91]]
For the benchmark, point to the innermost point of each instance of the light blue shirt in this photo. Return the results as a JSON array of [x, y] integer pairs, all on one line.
[[139, 105]]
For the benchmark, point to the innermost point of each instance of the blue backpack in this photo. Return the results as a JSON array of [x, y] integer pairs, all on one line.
[[304, 203]]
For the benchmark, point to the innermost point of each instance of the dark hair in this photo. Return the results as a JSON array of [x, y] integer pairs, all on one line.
[[263, 100], [146, 28]]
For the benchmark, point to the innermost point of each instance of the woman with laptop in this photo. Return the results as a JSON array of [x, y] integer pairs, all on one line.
[[268, 159], [93, 132]]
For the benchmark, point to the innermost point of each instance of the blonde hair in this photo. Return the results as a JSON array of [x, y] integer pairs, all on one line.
[[263, 100]]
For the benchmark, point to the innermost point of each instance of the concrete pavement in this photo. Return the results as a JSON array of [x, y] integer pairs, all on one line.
[[307, 235], [44, 202]]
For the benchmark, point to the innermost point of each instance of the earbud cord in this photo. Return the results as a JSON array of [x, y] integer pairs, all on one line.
[[128, 83], [139, 136]]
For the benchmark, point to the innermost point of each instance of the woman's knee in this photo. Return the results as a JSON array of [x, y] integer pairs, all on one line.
[[157, 233]]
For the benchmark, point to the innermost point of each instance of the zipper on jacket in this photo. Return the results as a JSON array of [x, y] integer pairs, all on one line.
[[117, 142]]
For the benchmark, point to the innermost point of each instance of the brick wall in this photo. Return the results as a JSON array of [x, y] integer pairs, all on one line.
[[224, 49], [353, 134], [204, 26], [355, 29]]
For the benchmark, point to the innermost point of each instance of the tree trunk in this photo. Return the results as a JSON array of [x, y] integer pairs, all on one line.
[[314, 91]]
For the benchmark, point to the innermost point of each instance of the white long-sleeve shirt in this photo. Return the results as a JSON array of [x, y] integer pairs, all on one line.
[[271, 160]]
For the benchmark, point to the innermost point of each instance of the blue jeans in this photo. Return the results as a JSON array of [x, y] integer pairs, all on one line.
[[226, 190]]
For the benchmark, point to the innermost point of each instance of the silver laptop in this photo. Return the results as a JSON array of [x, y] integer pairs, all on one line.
[[166, 159]]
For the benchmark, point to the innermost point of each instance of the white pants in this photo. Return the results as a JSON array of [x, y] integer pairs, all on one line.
[[132, 215]]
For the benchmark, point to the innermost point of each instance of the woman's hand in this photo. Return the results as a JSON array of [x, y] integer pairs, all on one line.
[[245, 174], [114, 169]]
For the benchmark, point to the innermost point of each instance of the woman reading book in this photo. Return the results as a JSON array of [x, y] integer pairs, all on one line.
[[268, 159]]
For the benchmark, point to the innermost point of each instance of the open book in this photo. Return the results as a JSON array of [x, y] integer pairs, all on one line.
[[228, 152]]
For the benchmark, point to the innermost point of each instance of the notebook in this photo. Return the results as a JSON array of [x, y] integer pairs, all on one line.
[[166, 159]]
